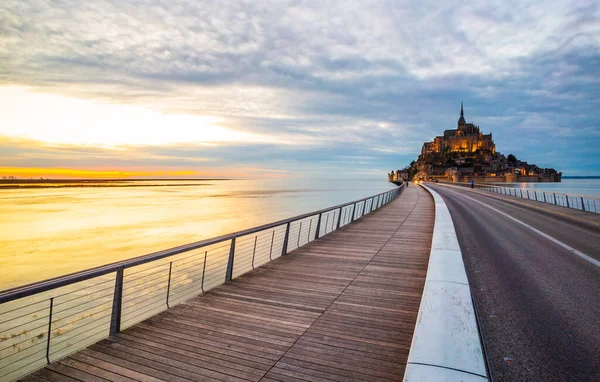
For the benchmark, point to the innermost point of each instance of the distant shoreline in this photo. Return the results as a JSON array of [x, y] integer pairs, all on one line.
[[29, 181], [11, 184], [581, 177], [29, 186]]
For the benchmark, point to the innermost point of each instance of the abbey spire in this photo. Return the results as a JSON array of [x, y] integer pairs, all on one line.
[[461, 120]]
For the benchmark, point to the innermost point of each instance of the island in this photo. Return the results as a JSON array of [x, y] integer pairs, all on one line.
[[465, 154]]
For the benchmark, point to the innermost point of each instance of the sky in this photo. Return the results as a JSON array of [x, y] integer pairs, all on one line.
[[322, 89]]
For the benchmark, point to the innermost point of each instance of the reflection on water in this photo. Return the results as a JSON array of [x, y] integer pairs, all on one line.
[[47, 232]]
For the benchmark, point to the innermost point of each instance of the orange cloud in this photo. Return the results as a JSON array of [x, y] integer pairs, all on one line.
[[66, 173], [20, 172]]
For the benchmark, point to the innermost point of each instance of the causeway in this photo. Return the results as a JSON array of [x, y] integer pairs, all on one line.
[[341, 308]]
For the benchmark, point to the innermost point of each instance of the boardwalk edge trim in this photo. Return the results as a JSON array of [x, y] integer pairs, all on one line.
[[445, 344]]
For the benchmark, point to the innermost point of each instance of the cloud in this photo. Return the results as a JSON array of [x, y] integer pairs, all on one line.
[[331, 79]]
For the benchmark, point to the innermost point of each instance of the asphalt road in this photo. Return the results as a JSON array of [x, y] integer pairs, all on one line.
[[538, 304]]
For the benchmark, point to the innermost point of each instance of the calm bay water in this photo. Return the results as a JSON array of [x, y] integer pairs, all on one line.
[[48, 232], [581, 187]]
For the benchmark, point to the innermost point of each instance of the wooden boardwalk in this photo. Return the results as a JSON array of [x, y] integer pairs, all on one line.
[[340, 308]]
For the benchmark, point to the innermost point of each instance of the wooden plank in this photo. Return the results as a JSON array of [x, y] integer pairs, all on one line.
[[80, 356], [95, 370]]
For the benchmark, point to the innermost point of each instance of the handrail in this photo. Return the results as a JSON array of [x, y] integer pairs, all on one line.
[[37, 287], [42, 286], [576, 202], [37, 328]]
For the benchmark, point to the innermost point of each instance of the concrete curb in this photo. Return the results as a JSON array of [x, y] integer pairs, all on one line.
[[445, 344]]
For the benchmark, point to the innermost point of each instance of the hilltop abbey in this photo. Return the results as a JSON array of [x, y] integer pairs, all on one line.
[[466, 138], [464, 154]]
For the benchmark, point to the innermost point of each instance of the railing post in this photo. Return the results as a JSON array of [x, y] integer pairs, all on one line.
[[285, 240], [554, 197], [169, 283], [318, 227], [582, 205], [567, 197], [544, 196], [340, 219], [309, 228], [115, 319], [254, 250], [362, 210], [353, 213], [229, 273], [299, 233], [203, 272], [49, 330], [271, 250]]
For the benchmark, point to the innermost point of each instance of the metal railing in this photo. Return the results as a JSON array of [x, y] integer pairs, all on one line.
[[582, 203], [46, 321]]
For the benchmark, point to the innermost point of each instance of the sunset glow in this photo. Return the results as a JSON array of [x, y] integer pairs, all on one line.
[[45, 173], [54, 118]]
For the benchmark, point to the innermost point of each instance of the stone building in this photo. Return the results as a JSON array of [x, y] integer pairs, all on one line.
[[466, 138]]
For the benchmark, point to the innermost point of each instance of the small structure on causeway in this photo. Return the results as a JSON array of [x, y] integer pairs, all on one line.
[[464, 154]]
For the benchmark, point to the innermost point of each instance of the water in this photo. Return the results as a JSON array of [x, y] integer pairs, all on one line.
[[52, 231], [581, 187]]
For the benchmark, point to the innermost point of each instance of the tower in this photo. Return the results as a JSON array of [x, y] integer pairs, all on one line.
[[461, 120]]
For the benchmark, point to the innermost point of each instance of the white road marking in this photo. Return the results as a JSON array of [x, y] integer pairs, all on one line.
[[555, 241]]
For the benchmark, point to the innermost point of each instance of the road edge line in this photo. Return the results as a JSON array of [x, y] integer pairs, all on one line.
[[446, 344]]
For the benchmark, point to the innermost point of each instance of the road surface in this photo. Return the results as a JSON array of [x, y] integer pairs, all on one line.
[[538, 303]]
